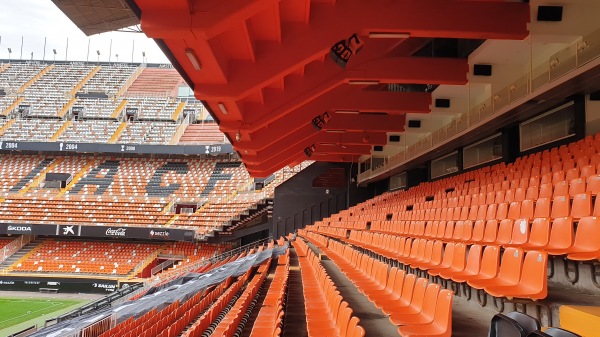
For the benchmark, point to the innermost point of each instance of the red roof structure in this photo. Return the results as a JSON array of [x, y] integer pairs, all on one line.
[[292, 79]]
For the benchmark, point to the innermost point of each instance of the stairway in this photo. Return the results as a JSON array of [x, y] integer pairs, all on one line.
[[20, 253], [202, 134], [155, 82]]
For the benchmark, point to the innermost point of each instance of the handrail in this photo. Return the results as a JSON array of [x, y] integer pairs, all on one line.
[[558, 65], [198, 264], [14, 246]]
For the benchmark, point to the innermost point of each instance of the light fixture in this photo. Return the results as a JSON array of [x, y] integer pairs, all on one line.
[[98, 52], [381, 35], [363, 82], [54, 51], [9, 50], [193, 59], [349, 112], [238, 137], [336, 131], [223, 108]]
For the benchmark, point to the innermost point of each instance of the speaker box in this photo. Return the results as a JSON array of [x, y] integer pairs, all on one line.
[[377, 148], [442, 103], [595, 96], [394, 139], [414, 123], [550, 13], [482, 70]]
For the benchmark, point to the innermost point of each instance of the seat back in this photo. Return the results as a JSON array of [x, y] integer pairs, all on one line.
[[588, 232], [490, 261], [504, 326], [535, 277], [526, 322], [561, 233], [511, 265], [520, 232], [474, 259], [540, 232]]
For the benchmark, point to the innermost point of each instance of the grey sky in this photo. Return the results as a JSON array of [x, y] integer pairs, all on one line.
[[36, 19]]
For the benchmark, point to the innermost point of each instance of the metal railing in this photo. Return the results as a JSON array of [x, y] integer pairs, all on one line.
[[14, 246], [571, 58]]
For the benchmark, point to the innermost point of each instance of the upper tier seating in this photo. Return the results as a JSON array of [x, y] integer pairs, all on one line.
[[98, 108], [48, 95], [90, 131], [17, 74], [153, 108], [148, 133], [32, 130], [109, 79]]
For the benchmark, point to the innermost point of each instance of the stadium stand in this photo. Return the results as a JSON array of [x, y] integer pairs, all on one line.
[[85, 257], [155, 82], [99, 108], [482, 218], [206, 133], [109, 79], [56, 102]]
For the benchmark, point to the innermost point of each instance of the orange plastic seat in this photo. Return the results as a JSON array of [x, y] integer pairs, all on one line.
[[561, 207], [454, 259], [561, 189], [520, 233], [542, 208], [561, 236], [441, 326], [587, 243], [471, 267], [593, 184], [509, 273], [488, 266], [421, 309], [532, 282], [582, 205], [539, 234]]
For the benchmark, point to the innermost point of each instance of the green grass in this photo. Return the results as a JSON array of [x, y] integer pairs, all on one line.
[[17, 310]]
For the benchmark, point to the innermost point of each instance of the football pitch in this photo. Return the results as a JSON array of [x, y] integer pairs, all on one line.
[[16, 310]]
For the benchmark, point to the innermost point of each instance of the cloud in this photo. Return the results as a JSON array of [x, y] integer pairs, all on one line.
[[36, 21]]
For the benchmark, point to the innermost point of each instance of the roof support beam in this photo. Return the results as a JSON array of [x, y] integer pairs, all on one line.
[[300, 140]]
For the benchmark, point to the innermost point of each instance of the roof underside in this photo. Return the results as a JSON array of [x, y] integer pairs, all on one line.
[[98, 16], [266, 71]]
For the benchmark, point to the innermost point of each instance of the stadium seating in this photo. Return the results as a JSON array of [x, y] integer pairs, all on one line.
[[327, 314], [207, 133], [95, 131], [420, 307], [155, 82], [48, 95], [87, 257], [109, 79], [47, 92], [127, 191]]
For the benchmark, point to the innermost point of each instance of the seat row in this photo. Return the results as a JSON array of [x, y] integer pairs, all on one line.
[[417, 306], [327, 314]]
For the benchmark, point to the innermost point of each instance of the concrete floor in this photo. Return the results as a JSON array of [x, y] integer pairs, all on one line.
[[295, 316]]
